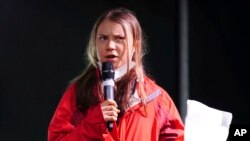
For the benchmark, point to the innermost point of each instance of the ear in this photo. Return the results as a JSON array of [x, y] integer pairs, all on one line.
[[133, 53], [133, 50]]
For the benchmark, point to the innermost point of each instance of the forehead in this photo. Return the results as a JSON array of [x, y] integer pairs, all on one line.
[[108, 26]]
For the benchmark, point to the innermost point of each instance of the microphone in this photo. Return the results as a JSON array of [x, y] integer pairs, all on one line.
[[108, 85]]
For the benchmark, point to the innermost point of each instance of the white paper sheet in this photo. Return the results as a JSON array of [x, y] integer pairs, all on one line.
[[204, 123]]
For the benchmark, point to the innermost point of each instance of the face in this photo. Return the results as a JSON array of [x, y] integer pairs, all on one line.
[[112, 44]]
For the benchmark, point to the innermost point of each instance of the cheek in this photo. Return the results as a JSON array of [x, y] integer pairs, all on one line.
[[100, 47], [99, 53]]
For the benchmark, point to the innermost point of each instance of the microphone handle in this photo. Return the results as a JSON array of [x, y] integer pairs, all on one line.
[[109, 94]]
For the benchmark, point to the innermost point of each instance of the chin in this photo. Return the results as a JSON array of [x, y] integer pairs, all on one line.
[[117, 65]]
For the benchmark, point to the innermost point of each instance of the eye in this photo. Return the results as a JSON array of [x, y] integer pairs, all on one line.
[[119, 38], [102, 37]]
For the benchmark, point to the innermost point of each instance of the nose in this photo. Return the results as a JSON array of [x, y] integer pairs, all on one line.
[[111, 45]]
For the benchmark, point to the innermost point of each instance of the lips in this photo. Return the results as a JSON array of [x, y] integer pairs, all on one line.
[[111, 56]]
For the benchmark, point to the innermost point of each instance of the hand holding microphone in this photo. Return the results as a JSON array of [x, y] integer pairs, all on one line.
[[109, 106]]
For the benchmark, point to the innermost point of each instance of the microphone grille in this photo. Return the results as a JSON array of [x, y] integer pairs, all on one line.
[[107, 71]]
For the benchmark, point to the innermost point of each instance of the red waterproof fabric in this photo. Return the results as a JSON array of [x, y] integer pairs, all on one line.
[[161, 122]]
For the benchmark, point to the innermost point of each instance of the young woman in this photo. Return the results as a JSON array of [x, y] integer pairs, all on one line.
[[141, 110]]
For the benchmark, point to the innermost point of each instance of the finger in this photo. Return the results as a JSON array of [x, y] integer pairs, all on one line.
[[110, 118], [112, 102], [110, 108], [109, 102], [110, 113]]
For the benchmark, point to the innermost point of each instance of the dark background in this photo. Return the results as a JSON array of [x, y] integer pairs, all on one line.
[[42, 45]]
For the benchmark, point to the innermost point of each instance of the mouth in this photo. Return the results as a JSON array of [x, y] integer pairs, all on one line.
[[111, 56]]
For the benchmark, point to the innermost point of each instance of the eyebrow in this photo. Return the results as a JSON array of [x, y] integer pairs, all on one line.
[[112, 34], [101, 35], [117, 35]]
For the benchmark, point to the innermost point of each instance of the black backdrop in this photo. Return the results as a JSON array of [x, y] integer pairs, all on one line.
[[220, 55], [42, 45]]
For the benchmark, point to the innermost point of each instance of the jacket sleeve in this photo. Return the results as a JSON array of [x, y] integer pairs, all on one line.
[[171, 125], [63, 127]]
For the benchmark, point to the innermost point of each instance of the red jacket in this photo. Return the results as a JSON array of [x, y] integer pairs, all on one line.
[[160, 122]]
